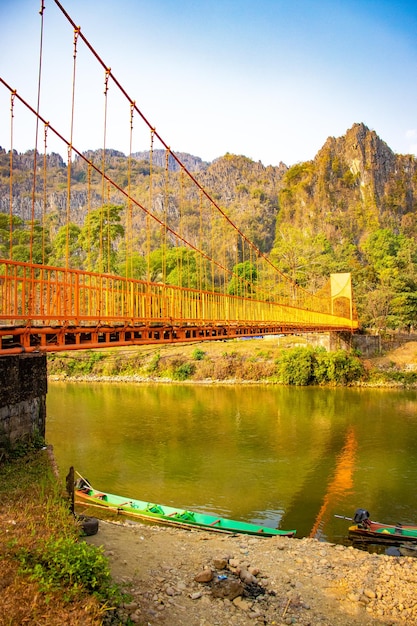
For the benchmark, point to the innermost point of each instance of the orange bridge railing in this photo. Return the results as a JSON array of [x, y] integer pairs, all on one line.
[[52, 308]]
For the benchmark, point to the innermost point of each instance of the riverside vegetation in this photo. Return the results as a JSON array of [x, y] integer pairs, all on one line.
[[48, 575], [284, 360]]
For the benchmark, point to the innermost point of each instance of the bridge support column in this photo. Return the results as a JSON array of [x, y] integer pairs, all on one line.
[[341, 341], [23, 388]]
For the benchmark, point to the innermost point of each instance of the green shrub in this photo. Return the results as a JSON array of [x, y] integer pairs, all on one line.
[[183, 371], [75, 365], [71, 565], [154, 363], [306, 366], [296, 366], [338, 367], [198, 354]]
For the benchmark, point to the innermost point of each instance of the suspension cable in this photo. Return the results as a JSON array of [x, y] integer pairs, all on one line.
[[129, 216], [69, 163], [12, 98], [148, 213], [103, 167], [35, 152], [174, 156], [45, 181], [148, 230]]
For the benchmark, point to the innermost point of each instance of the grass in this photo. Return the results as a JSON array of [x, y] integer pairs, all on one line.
[[252, 360], [255, 360], [49, 576]]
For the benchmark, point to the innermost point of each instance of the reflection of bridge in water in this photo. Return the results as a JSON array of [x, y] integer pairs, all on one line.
[[212, 281]]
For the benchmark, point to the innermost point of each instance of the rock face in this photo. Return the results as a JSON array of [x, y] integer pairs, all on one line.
[[355, 184]]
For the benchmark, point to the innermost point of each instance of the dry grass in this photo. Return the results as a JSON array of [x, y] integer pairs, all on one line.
[[253, 360], [32, 511]]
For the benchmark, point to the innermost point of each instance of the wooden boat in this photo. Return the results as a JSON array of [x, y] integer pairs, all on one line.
[[384, 533], [365, 529], [408, 549], [85, 494]]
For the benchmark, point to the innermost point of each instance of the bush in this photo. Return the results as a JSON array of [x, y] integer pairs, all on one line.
[[74, 566], [296, 366], [183, 371], [75, 365], [198, 354], [306, 366], [154, 363]]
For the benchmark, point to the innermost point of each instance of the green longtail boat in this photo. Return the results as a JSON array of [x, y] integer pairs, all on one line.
[[85, 494]]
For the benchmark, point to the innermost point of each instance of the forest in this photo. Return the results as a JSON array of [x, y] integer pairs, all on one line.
[[353, 208]]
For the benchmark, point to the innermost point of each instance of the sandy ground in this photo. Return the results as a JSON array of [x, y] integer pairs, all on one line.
[[279, 580], [404, 357]]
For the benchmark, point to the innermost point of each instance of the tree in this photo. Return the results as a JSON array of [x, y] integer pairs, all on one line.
[[29, 242], [404, 306], [67, 244], [243, 280], [302, 256], [176, 266], [133, 266], [100, 236]]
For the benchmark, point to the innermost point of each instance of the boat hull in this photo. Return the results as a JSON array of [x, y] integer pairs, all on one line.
[[376, 532], [163, 514]]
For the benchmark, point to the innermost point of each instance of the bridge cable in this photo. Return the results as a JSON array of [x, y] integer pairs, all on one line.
[[45, 182], [129, 217], [122, 191], [174, 156], [148, 228], [12, 98], [69, 167], [35, 152]]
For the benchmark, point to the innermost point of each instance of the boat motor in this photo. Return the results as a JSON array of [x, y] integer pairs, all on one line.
[[361, 517]]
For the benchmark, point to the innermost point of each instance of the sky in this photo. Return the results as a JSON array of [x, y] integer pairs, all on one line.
[[271, 79]]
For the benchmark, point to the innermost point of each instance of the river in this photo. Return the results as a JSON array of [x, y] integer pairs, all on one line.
[[287, 457]]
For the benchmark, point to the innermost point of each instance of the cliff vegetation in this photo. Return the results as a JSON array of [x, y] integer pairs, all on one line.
[[351, 209]]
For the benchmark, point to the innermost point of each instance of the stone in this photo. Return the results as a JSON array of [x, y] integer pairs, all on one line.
[[170, 591], [246, 577], [242, 604], [196, 595], [205, 576], [220, 563], [228, 588]]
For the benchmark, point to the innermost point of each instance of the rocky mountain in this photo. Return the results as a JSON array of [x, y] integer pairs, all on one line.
[[354, 185], [192, 163], [352, 208]]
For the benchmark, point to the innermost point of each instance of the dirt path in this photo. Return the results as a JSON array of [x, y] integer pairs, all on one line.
[[296, 581]]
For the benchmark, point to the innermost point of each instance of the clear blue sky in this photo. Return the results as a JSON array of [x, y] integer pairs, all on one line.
[[270, 79]]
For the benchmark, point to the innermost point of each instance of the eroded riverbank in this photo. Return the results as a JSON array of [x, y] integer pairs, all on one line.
[[304, 581]]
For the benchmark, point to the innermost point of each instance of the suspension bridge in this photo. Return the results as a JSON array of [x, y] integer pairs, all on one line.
[[185, 270]]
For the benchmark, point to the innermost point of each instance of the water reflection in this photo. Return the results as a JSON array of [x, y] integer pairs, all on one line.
[[287, 457]]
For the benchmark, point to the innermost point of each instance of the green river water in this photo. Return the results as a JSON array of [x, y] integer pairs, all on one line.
[[284, 457]]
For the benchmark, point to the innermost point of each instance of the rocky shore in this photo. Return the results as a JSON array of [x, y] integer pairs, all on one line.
[[198, 578]]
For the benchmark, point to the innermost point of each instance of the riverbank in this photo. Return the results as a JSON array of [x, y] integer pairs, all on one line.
[[275, 581], [177, 577], [232, 362], [47, 576]]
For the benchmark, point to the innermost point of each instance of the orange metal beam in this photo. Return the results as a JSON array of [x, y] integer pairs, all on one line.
[[53, 309]]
